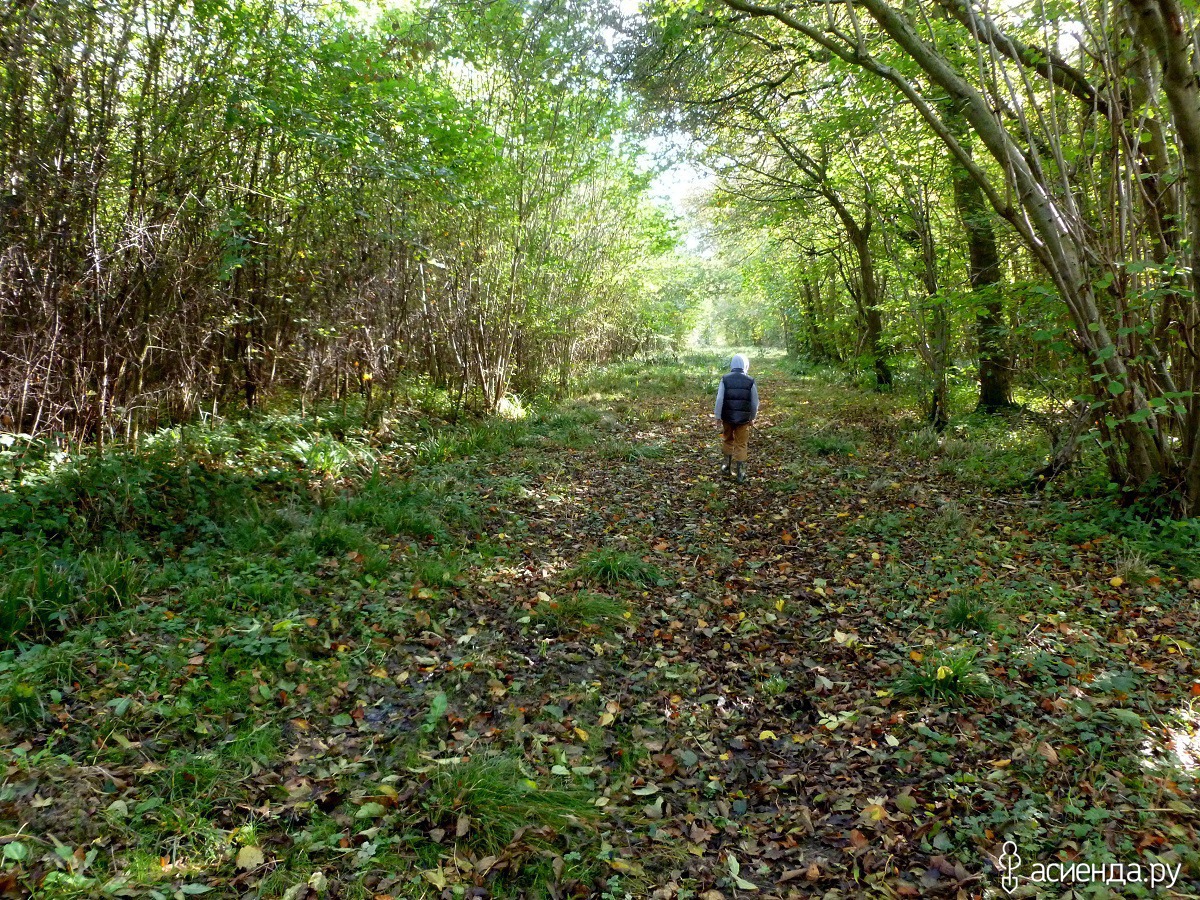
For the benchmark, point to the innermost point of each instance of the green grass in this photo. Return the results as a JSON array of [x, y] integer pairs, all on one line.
[[775, 686], [829, 444], [636, 452], [611, 567], [967, 611], [579, 612], [950, 522], [436, 569], [948, 676], [496, 798]]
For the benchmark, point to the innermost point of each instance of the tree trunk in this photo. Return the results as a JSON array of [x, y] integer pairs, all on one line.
[[1163, 26], [995, 363], [860, 237]]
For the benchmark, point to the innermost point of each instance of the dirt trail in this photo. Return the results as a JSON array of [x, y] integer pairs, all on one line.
[[856, 675], [761, 677]]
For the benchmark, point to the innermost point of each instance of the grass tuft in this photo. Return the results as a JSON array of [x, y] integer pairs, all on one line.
[[580, 612], [825, 443], [496, 798], [970, 612], [607, 566], [945, 675]]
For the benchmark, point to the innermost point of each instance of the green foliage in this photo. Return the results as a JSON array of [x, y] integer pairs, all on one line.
[[437, 569], [950, 522], [579, 612], [611, 567], [497, 798], [391, 698], [968, 611], [946, 675], [1159, 542], [829, 444]]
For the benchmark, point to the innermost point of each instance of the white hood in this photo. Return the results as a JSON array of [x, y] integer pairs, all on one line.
[[739, 362]]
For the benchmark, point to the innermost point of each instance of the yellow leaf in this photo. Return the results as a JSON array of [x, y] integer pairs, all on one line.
[[380, 672], [436, 877], [944, 672], [1116, 581], [874, 813], [582, 735], [250, 858], [606, 719], [1001, 763], [624, 865], [875, 556], [779, 605], [916, 655], [767, 735]]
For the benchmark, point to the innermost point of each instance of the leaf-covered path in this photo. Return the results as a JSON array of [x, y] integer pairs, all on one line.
[[762, 673], [855, 675]]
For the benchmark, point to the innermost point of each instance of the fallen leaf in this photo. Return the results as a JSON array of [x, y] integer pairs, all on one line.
[[250, 858]]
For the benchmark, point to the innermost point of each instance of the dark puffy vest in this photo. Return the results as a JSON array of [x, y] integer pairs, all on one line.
[[736, 406]]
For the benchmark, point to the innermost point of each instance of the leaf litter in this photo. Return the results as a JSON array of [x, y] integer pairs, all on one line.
[[635, 678]]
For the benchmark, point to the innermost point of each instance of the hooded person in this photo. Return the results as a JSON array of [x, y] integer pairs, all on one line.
[[737, 407]]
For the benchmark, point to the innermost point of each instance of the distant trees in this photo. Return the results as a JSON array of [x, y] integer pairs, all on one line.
[[202, 201], [1074, 136]]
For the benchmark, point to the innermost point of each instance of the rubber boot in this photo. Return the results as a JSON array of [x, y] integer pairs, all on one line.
[[741, 473], [725, 465]]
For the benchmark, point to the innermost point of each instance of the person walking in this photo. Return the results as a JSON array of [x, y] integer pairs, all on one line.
[[737, 407]]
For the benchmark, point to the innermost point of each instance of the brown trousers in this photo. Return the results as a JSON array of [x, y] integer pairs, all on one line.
[[737, 440]]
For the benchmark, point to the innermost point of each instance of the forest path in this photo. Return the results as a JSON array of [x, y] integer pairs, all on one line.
[[565, 658], [762, 672]]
